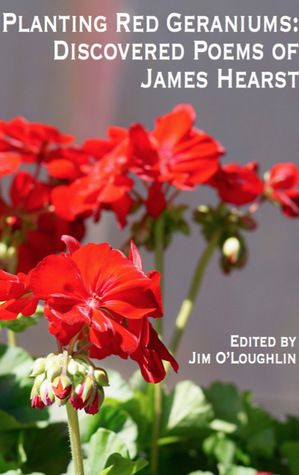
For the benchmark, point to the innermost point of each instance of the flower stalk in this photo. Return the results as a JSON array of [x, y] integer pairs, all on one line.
[[188, 302], [156, 427], [11, 338], [74, 435], [159, 261]]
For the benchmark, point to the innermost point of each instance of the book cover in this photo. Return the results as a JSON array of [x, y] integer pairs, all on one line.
[[84, 67]]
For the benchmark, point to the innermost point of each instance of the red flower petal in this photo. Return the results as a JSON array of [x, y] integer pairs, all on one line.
[[9, 162]]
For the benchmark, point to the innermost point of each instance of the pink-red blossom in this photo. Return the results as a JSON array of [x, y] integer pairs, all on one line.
[[280, 187], [175, 152], [238, 184]]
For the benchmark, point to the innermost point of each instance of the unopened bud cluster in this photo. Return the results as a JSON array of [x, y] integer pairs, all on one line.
[[60, 378], [229, 224]]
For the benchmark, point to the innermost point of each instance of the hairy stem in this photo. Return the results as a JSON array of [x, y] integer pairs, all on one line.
[[74, 435]]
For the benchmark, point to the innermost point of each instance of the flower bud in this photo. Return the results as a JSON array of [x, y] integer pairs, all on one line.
[[36, 401], [62, 387], [101, 377], [82, 393], [96, 401], [50, 360], [203, 209], [83, 366], [53, 372], [231, 249], [46, 393], [14, 222], [234, 254], [38, 367], [72, 367], [38, 380]]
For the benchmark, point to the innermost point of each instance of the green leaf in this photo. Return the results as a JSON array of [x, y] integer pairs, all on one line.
[[21, 323], [118, 388], [185, 410], [12, 453], [290, 450], [47, 449], [123, 466], [103, 444], [15, 389], [109, 455], [227, 403], [112, 418], [259, 433], [199, 472], [223, 426], [15, 361], [19, 472], [287, 431], [8, 422], [222, 448], [236, 470], [141, 409]]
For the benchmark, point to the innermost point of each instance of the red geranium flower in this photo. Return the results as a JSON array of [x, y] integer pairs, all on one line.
[[32, 140], [150, 350], [9, 163], [98, 288], [280, 184], [104, 184], [236, 184], [29, 224], [67, 163], [175, 152], [16, 295]]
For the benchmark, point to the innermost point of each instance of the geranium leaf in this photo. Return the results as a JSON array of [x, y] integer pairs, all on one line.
[[112, 418], [290, 450], [21, 323], [123, 466], [236, 470], [185, 410]]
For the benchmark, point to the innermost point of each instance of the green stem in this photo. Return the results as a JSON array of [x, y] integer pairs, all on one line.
[[74, 434], [11, 265], [156, 427], [11, 338], [159, 261], [188, 303]]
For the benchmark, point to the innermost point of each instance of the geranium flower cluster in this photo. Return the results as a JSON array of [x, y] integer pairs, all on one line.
[[60, 378], [174, 153], [30, 228], [96, 296], [103, 174], [241, 185]]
